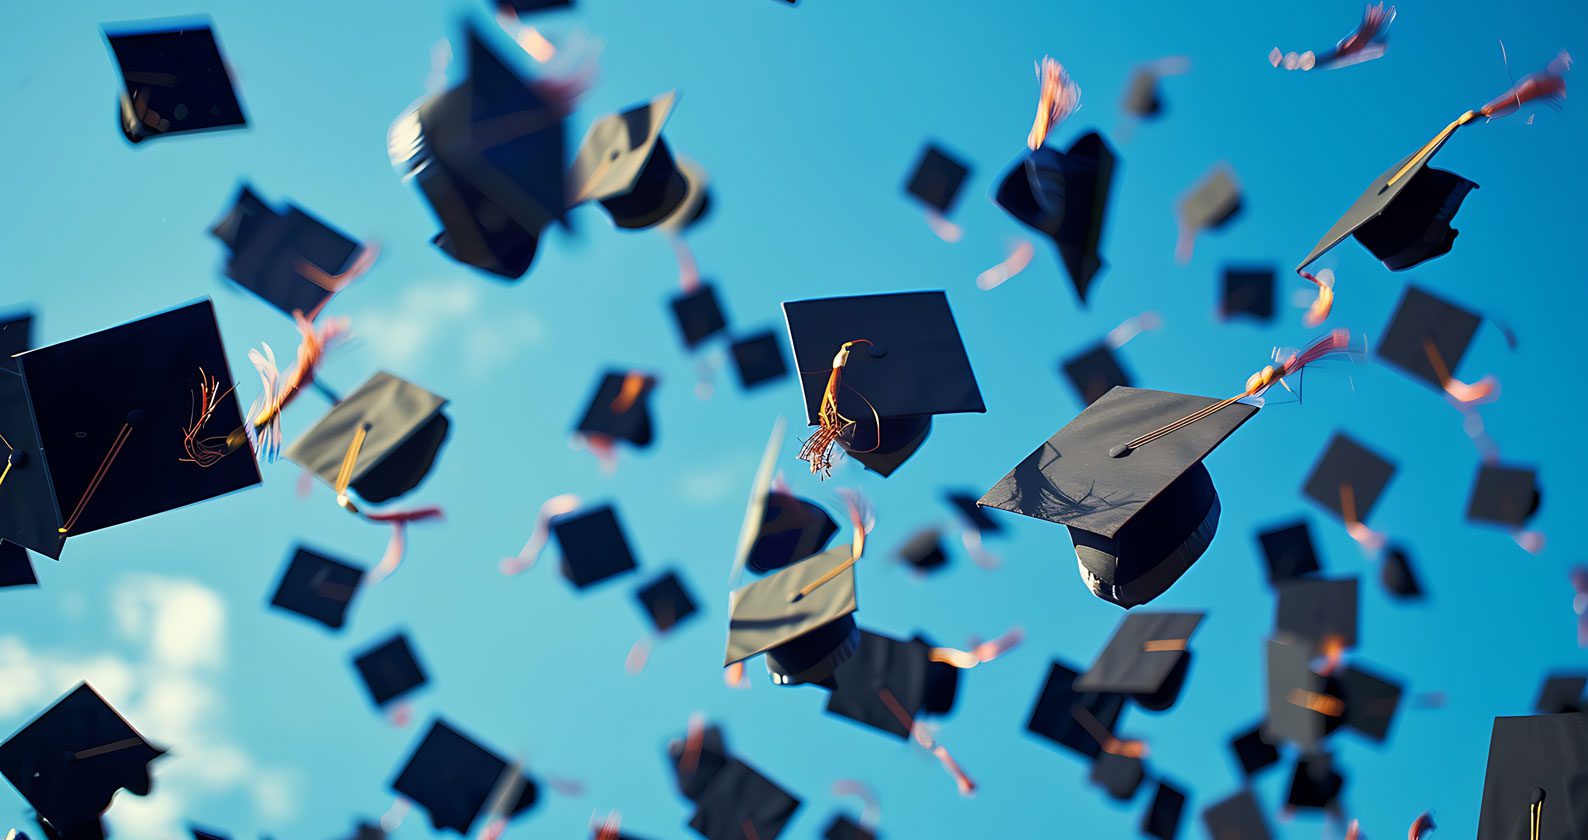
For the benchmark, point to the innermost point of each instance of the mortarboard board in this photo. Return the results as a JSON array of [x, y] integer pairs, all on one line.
[[593, 545], [696, 765], [883, 685], [71, 760], [805, 636], [1315, 784], [201, 834], [1318, 612], [1211, 204], [176, 81], [317, 587], [390, 669], [403, 432], [1253, 751], [1118, 775], [524, 7], [267, 246], [1398, 576], [740, 802], [454, 778], [924, 551], [899, 441], [1068, 717], [15, 567], [1095, 372], [1289, 552], [1237, 817], [16, 335], [698, 315], [1304, 707], [759, 359], [625, 164], [1427, 337], [792, 529], [96, 428], [1064, 195], [1534, 787], [937, 179], [366, 830], [1138, 520], [844, 828], [1162, 820], [1147, 659], [1141, 95], [1248, 292], [1561, 693], [965, 504], [1348, 479], [1504, 495], [666, 601], [1370, 702], [620, 408]]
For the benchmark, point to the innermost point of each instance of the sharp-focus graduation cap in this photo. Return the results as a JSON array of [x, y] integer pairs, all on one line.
[[1095, 372], [1370, 701], [15, 567], [739, 801], [924, 551], [759, 359], [16, 336], [317, 587], [1304, 706], [96, 428], [695, 766], [1253, 751], [1118, 775], [490, 155], [1561, 693], [1398, 576], [593, 545], [1138, 520], [1067, 717], [1162, 820], [1504, 495], [889, 683], [1212, 203], [404, 432], [844, 827], [1318, 612], [805, 637], [1315, 784], [69, 761], [1289, 552], [666, 601], [176, 80], [1238, 817], [698, 315], [1147, 659], [965, 504], [792, 529], [390, 669], [1536, 785], [1428, 336], [266, 247], [625, 164], [1348, 479], [937, 179], [620, 408], [1064, 196], [454, 778], [1249, 293]]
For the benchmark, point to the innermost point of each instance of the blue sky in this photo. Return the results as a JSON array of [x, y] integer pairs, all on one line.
[[809, 120]]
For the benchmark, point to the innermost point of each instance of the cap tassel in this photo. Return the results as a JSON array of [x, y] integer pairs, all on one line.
[[923, 736], [694, 740], [603, 447], [608, 829], [1421, 827], [1059, 98], [1323, 704], [733, 676], [394, 816], [1365, 43], [1579, 601], [397, 545], [971, 539], [99, 474], [979, 653], [688, 269], [1133, 748], [400, 715], [639, 655], [1323, 304], [550, 509], [1130, 328], [1531, 541], [1484, 390], [368, 253], [1365, 536], [1548, 85], [817, 449], [943, 228], [1020, 255], [871, 815]]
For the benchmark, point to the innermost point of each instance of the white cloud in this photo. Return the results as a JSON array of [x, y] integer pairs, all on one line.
[[427, 314]]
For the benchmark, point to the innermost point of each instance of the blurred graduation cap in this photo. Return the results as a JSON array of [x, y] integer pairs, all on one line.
[[201, 834], [1143, 99], [1064, 196], [1348, 479], [1504, 495], [666, 601], [1427, 337], [791, 530], [524, 7], [923, 551], [620, 408], [1536, 784], [937, 179], [95, 428], [73, 758], [1318, 612], [1077, 721], [490, 156], [1561, 693], [696, 205], [1162, 820], [594, 547], [900, 360], [964, 502], [1119, 776], [1139, 515], [1094, 372], [802, 618], [1237, 817], [1147, 659], [1254, 751], [366, 830], [1370, 701], [1304, 706], [1289, 552], [1209, 205], [1248, 293], [624, 164], [1315, 784], [697, 759], [740, 802], [890, 683], [317, 587], [390, 669], [843, 827], [758, 358], [15, 567], [394, 430], [267, 247], [176, 81], [1398, 576], [698, 315], [16, 336], [456, 780]]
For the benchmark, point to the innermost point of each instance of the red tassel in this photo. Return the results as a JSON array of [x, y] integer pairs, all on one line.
[[1421, 826], [396, 547], [1548, 85]]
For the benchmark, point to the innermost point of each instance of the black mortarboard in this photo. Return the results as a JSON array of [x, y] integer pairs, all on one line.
[[696, 205], [1504, 495], [1370, 701], [695, 768], [1561, 693], [1141, 95], [176, 80], [1253, 751], [899, 441], [1146, 659], [404, 430], [1118, 775], [1398, 576], [666, 601], [1289, 552], [1211, 204], [792, 529], [593, 545], [1138, 520], [1303, 706], [266, 247], [317, 587], [924, 551], [1348, 479], [366, 830], [620, 408], [937, 179], [454, 778], [1066, 717], [390, 669], [884, 685], [1238, 817], [1315, 784], [15, 567], [805, 637], [759, 359], [698, 314], [524, 7], [741, 802], [625, 164], [96, 426], [72, 759], [1535, 786], [1248, 292], [1162, 820], [844, 828], [201, 834], [965, 503], [1095, 372], [1064, 195], [1428, 336], [16, 335], [1318, 612], [1406, 222]]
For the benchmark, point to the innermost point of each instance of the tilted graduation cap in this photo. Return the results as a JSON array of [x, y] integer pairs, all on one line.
[[1064, 196], [1398, 576], [698, 315], [1315, 784], [95, 428], [1428, 336], [1288, 552], [1142, 98], [802, 618], [620, 408], [1210, 205], [697, 758], [176, 82], [1370, 701], [696, 205], [1304, 706], [740, 802], [1077, 721], [1536, 784], [937, 179], [16, 336], [317, 587], [1561, 693], [1318, 612], [456, 780], [15, 567], [284, 256], [758, 358], [594, 547], [1504, 495], [666, 601], [402, 427], [1094, 372], [889, 683], [1120, 776], [964, 503], [791, 530], [390, 669], [923, 551], [1249, 293], [1162, 820], [1254, 751], [1237, 817], [625, 164], [72, 759], [1147, 659], [1348, 479]]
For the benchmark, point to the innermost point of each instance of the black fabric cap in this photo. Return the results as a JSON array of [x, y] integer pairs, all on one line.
[[1315, 784], [1348, 475], [1060, 711], [1212, 203], [1142, 98], [1428, 336], [1095, 372], [666, 601], [176, 80], [29, 516], [1118, 775], [405, 430], [792, 529], [1147, 658], [1289, 552], [524, 7], [1303, 706], [924, 551], [698, 315], [624, 163], [16, 335], [453, 778], [739, 796], [201, 834], [1504, 495], [711, 756], [1064, 196], [804, 638], [1238, 817], [620, 408], [317, 587], [15, 567], [759, 359], [1536, 761], [1162, 819], [844, 828], [883, 686], [390, 669], [1253, 751], [266, 246], [1561, 693], [1370, 702], [937, 179], [900, 441], [593, 545], [1398, 576], [964, 503], [1317, 611], [1248, 292]]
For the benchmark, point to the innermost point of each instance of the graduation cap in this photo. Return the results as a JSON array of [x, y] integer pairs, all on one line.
[[1237, 817], [1304, 706], [317, 587], [741, 802], [201, 834], [1315, 784], [1397, 575], [1077, 721], [454, 778], [1254, 751], [1289, 552], [524, 7], [792, 529], [758, 358], [16, 336], [924, 551], [1535, 785], [696, 205], [625, 164], [1348, 479], [1504, 495], [390, 669], [490, 155], [620, 408], [1427, 337], [1318, 612], [937, 179], [394, 430], [1142, 97], [593, 545], [176, 82], [899, 361], [1147, 659], [1210, 205], [698, 315], [1139, 515], [802, 618], [843, 827], [366, 830], [95, 428], [268, 249], [889, 683], [1162, 819], [697, 759], [666, 601], [1370, 701], [1561, 693], [1119, 776], [72, 759], [15, 567], [1248, 293], [964, 502], [1064, 196], [1094, 372]]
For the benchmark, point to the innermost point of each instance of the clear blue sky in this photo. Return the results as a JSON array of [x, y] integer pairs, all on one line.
[[809, 119]]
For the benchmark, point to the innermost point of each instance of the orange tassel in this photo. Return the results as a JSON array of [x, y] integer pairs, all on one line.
[[1060, 97], [817, 450]]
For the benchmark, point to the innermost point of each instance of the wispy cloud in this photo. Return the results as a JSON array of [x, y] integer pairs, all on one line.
[[449, 317]]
